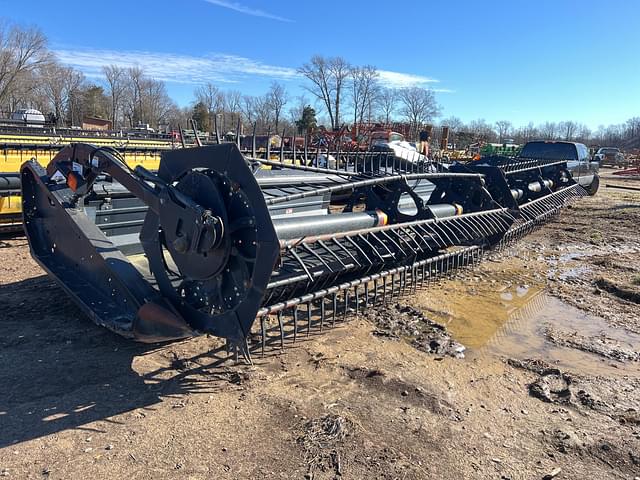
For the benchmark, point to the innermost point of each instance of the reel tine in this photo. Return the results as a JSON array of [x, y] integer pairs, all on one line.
[[335, 308], [384, 289], [281, 326], [321, 313], [375, 291], [393, 285], [346, 305], [308, 318], [295, 323], [366, 295], [243, 347], [263, 333]]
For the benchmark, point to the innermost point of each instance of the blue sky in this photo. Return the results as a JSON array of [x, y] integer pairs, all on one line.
[[517, 60]]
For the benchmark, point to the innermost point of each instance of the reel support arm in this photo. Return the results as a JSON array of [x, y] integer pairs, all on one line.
[[196, 228]]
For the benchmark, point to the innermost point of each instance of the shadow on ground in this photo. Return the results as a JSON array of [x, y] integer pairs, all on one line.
[[60, 371]]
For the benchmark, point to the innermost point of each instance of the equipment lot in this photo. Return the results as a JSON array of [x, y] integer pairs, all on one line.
[[79, 401]]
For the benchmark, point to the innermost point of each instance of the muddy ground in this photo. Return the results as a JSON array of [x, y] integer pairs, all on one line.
[[549, 386]]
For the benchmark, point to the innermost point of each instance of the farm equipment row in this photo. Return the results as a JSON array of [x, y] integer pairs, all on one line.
[[213, 240]]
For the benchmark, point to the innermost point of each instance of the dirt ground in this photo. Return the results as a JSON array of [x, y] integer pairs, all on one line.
[[548, 387]]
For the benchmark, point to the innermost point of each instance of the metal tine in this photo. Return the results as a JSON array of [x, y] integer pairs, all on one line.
[[448, 226], [375, 291], [346, 304], [281, 326], [357, 295], [321, 313], [393, 285], [295, 323], [436, 236], [263, 333], [414, 278], [384, 289], [438, 226], [405, 281], [308, 318], [459, 223], [366, 294], [335, 309], [246, 352], [495, 226], [483, 227]]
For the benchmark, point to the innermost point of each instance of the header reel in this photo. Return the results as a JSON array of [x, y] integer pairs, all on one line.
[[208, 243]]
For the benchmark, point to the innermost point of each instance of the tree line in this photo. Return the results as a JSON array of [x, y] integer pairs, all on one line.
[[620, 135], [335, 93]]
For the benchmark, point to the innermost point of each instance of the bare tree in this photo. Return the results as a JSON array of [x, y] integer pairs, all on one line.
[[363, 86], [76, 89], [156, 102], [231, 109], [132, 100], [526, 133], [327, 77], [60, 86], [296, 111], [22, 50], [454, 124], [116, 87], [418, 106], [179, 116], [548, 130], [145, 99], [633, 127], [568, 129], [248, 109], [584, 133], [209, 95], [258, 110], [503, 127], [481, 130], [339, 69], [387, 101], [277, 98]]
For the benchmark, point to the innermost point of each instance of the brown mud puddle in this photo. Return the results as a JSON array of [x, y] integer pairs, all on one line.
[[499, 310]]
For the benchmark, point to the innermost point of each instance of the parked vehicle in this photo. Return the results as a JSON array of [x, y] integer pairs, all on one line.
[[30, 117], [583, 168], [610, 156]]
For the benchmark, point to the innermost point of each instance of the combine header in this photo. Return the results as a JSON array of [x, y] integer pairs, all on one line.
[[214, 241]]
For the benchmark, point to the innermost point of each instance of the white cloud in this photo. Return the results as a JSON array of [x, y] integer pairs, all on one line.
[[214, 67], [247, 10], [443, 90], [400, 80], [175, 68]]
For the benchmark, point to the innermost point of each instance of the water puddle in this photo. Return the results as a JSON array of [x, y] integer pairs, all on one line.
[[497, 315], [528, 330]]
